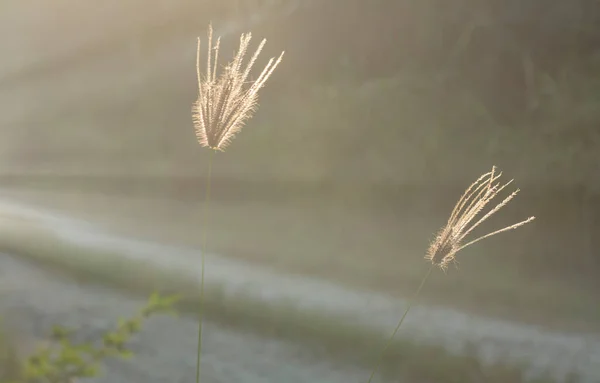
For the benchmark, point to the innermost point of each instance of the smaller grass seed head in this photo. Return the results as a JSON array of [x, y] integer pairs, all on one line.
[[449, 240]]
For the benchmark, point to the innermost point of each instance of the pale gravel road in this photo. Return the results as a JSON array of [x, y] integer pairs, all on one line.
[[166, 348], [496, 340]]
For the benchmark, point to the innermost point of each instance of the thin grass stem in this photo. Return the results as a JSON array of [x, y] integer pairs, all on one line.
[[389, 342], [204, 239]]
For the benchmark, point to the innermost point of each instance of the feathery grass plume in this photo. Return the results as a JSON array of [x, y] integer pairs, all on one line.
[[225, 102], [449, 240]]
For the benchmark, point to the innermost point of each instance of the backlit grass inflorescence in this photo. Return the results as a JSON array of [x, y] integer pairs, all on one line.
[[461, 223], [226, 101]]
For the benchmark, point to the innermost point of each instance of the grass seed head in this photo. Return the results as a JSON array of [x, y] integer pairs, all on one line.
[[226, 100], [465, 218], [442, 250]]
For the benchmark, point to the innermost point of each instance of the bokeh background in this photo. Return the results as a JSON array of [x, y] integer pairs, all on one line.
[[380, 115]]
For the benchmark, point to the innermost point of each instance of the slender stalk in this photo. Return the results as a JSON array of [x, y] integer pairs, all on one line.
[[205, 228], [410, 303]]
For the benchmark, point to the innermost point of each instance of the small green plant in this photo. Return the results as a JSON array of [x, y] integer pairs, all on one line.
[[63, 360]]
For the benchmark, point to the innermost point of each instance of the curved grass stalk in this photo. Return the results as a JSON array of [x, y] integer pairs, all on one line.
[[389, 343], [449, 241]]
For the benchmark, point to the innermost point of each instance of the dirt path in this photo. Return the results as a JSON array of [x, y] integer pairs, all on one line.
[[165, 349], [545, 351]]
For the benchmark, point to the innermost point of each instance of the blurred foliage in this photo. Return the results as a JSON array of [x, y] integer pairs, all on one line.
[[510, 82], [63, 360], [522, 75]]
